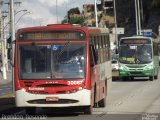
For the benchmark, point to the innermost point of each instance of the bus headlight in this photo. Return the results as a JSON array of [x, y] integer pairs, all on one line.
[[149, 67], [23, 89], [122, 68], [80, 88]]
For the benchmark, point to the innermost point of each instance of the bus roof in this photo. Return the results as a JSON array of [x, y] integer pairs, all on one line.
[[94, 30], [139, 37], [135, 36], [91, 30]]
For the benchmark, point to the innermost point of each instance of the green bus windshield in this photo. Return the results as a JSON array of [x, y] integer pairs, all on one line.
[[135, 54]]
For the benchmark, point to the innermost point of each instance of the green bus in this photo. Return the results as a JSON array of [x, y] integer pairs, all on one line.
[[138, 57]]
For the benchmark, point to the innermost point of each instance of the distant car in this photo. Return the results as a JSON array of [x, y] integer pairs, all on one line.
[[115, 65]]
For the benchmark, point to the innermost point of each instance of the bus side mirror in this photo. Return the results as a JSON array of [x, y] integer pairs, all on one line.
[[92, 63], [116, 51], [9, 45]]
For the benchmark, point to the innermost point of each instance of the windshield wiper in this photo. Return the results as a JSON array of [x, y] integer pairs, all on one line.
[[63, 48]]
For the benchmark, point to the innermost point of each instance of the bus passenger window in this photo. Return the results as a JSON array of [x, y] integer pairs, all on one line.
[[93, 56]]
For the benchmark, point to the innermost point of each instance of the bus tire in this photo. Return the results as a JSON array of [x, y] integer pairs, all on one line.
[[151, 78], [88, 110], [132, 78], [94, 102], [156, 77], [102, 103], [124, 78], [30, 110]]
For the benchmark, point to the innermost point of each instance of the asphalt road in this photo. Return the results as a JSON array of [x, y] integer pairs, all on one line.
[[129, 100]]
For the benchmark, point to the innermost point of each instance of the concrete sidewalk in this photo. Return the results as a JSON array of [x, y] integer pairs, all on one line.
[[5, 81], [7, 101]]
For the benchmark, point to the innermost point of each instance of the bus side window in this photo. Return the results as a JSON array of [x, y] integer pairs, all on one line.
[[155, 49], [93, 56]]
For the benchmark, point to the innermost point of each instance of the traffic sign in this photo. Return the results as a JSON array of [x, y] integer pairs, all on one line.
[[147, 32]]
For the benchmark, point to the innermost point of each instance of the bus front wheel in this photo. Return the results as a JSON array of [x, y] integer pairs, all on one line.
[[151, 78], [102, 103], [156, 77], [88, 110]]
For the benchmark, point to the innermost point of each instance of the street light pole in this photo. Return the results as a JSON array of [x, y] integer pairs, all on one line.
[[14, 16], [115, 20], [67, 10], [22, 16], [56, 12], [19, 12], [12, 28], [137, 25], [139, 17], [12, 20], [95, 9]]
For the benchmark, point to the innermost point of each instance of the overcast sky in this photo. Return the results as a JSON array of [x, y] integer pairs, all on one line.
[[44, 11]]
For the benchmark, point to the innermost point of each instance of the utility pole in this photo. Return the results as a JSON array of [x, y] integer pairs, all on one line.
[[12, 28], [3, 44], [141, 10], [57, 11], [4, 16], [138, 17], [3, 49], [115, 22], [136, 14]]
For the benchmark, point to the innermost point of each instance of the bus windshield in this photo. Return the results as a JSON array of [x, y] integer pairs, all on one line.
[[135, 54], [56, 61]]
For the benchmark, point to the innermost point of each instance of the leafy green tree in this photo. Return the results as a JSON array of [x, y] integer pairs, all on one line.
[[77, 20], [74, 11], [71, 19]]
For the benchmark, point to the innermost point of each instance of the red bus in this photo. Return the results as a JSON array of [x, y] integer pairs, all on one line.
[[61, 65]]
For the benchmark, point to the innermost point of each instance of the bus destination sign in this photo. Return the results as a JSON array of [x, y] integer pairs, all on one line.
[[135, 41], [52, 35]]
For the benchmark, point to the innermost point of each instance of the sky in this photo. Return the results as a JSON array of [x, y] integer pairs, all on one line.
[[43, 12]]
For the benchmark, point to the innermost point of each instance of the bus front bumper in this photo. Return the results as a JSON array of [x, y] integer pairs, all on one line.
[[79, 98], [144, 73]]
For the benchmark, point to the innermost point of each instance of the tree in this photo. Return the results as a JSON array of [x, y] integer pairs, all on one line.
[[77, 20], [155, 3], [73, 11], [74, 17]]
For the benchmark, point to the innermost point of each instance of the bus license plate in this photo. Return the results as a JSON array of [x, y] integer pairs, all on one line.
[[52, 98]]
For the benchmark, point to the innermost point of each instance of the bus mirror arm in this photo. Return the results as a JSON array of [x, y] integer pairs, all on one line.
[[92, 64], [117, 51], [13, 42], [11, 63], [11, 50], [9, 45]]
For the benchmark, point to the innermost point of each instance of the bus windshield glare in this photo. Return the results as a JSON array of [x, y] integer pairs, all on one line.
[[135, 54], [56, 61]]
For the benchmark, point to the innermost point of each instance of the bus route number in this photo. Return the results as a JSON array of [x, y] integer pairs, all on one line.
[[75, 82]]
